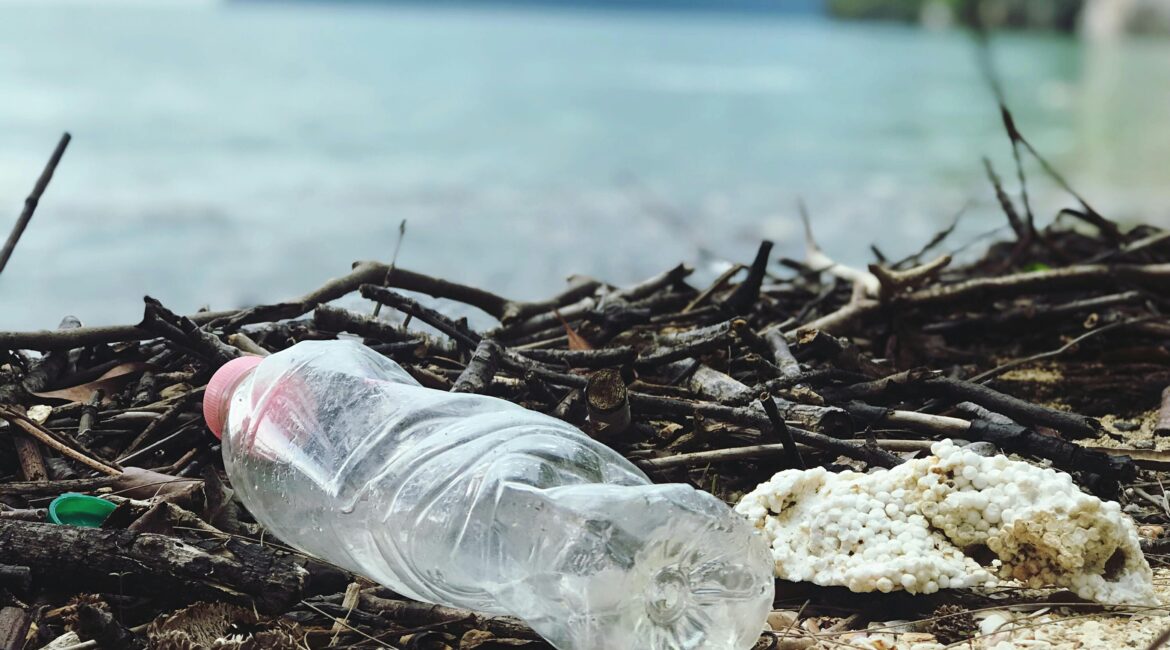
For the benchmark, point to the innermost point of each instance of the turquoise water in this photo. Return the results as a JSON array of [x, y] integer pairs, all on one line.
[[227, 154]]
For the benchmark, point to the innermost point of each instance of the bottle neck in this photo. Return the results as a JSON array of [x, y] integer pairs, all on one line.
[[225, 400], [223, 384]]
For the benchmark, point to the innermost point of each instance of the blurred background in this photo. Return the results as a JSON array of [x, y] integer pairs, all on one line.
[[234, 152]]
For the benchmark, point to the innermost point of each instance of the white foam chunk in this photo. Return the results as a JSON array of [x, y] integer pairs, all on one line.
[[921, 526]]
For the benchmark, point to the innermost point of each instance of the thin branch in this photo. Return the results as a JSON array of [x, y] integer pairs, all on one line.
[[390, 271], [444, 324], [756, 452], [938, 238], [362, 273], [30, 203], [1079, 277], [780, 430], [23, 423], [757, 419], [1022, 230], [999, 370]]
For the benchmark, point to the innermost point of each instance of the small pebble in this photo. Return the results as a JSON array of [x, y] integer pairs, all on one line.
[[1143, 444], [1126, 425]]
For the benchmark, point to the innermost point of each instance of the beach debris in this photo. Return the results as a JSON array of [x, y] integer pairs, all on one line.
[[954, 519]]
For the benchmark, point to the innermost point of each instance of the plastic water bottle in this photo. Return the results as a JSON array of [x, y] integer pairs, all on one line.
[[471, 501]]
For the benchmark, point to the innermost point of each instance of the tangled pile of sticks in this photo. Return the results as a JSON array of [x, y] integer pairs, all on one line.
[[1052, 347]]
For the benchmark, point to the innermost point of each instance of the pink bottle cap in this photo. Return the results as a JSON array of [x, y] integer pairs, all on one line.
[[222, 383]]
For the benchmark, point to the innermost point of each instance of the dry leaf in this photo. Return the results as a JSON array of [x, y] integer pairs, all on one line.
[[111, 382], [576, 342], [138, 483], [155, 520]]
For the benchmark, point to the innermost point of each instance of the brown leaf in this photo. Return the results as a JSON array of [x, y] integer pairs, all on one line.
[[138, 483], [576, 342], [154, 520], [111, 382]]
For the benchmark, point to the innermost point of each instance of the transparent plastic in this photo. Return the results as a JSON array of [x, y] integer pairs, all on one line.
[[471, 501]]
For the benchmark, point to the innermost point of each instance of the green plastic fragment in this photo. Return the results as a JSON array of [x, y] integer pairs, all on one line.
[[73, 509]]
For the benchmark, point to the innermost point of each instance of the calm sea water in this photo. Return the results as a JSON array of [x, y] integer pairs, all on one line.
[[228, 154]]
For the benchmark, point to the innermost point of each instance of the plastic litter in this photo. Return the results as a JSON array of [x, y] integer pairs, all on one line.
[[953, 519], [471, 501], [72, 509]]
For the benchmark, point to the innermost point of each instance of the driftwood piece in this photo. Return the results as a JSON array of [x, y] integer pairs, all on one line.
[[781, 354], [32, 462], [122, 561], [49, 368], [168, 417], [1070, 278], [34, 430], [818, 344], [480, 370], [509, 333], [460, 333], [598, 358], [14, 623], [40, 488], [716, 285], [1071, 424], [920, 382], [186, 333], [1084, 277], [415, 614], [245, 344], [1065, 455], [720, 387], [608, 402], [745, 296], [762, 452], [1032, 315], [757, 419], [780, 430], [89, 417], [334, 319], [362, 273], [668, 349]]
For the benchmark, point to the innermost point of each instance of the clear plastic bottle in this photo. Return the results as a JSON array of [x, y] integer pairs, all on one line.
[[471, 501]]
